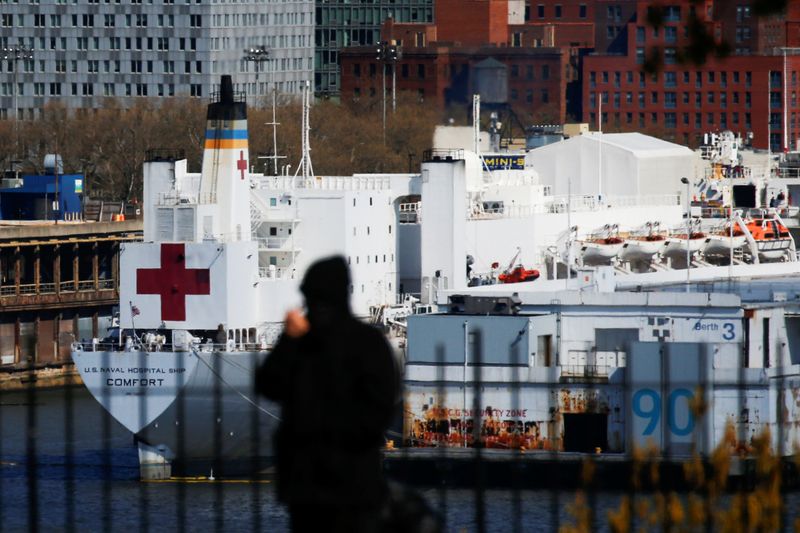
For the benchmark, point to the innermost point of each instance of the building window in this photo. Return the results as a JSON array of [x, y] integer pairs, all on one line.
[[546, 72], [558, 11], [540, 11], [545, 96], [582, 11]]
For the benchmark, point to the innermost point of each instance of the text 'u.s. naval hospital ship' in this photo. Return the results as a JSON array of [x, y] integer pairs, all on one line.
[[600, 216]]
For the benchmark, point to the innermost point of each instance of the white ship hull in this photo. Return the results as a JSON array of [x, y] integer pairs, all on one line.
[[197, 407]]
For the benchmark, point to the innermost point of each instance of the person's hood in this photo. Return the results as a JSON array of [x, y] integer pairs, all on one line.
[[327, 283]]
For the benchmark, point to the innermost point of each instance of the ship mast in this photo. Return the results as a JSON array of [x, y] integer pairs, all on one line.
[[305, 161]]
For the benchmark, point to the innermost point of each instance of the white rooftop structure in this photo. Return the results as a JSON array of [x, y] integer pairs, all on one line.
[[613, 164]]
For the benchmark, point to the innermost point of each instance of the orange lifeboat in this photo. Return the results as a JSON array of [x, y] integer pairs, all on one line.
[[772, 238]]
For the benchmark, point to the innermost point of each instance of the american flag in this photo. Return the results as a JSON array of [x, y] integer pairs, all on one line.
[[135, 310]]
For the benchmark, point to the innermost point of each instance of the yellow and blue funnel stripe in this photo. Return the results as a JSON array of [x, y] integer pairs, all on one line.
[[227, 138]]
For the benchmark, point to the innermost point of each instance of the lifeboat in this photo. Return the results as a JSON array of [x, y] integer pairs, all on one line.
[[677, 243], [600, 246], [643, 243], [772, 238], [720, 241]]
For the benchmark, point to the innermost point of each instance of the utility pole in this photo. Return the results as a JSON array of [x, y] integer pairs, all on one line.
[[16, 53]]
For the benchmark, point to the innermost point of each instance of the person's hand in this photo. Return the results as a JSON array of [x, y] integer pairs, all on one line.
[[295, 324]]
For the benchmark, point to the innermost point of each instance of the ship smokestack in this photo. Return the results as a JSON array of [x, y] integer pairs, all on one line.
[[226, 163], [226, 90]]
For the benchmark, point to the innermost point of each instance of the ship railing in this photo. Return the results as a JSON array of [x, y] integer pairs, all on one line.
[[586, 371], [336, 183], [788, 172], [273, 272], [172, 198], [274, 243], [719, 173], [140, 346], [576, 203]]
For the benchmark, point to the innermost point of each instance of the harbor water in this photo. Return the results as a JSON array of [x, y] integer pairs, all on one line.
[[79, 472]]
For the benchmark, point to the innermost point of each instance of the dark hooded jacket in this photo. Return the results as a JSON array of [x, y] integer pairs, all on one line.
[[337, 386]]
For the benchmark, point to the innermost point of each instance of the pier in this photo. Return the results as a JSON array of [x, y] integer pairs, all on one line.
[[58, 283]]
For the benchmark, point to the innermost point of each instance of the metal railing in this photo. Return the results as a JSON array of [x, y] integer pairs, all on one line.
[[28, 289], [275, 243], [333, 183]]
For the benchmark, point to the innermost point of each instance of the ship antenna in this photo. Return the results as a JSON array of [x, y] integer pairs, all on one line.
[[274, 125], [305, 161]]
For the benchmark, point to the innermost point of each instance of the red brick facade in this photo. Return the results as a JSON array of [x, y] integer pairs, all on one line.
[[743, 93], [447, 74], [440, 60], [472, 22]]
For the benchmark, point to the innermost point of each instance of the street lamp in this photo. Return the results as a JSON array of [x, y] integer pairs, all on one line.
[[388, 52], [15, 53], [259, 55], [685, 181]]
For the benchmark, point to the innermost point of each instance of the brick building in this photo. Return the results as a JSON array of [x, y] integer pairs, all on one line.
[[538, 58], [753, 92]]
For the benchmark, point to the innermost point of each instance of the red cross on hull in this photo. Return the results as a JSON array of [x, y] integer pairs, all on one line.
[[173, 281], [241, 164]]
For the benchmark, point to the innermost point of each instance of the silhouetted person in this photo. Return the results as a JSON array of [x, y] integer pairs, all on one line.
[[337, 384]]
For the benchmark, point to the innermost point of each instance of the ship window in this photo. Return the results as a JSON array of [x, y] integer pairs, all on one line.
[[273, 202], [367, 259], [390, 229], [273, 260], [384, 258], [367, 230], [370, 200], [354, 231], [356, 259], [354, 202], [376, 258], [362, 287], [273, 231], [348, 259]]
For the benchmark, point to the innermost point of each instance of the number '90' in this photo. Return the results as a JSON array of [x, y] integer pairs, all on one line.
[[647, 404]]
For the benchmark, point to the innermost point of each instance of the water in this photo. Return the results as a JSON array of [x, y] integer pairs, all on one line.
[[82, 475]]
